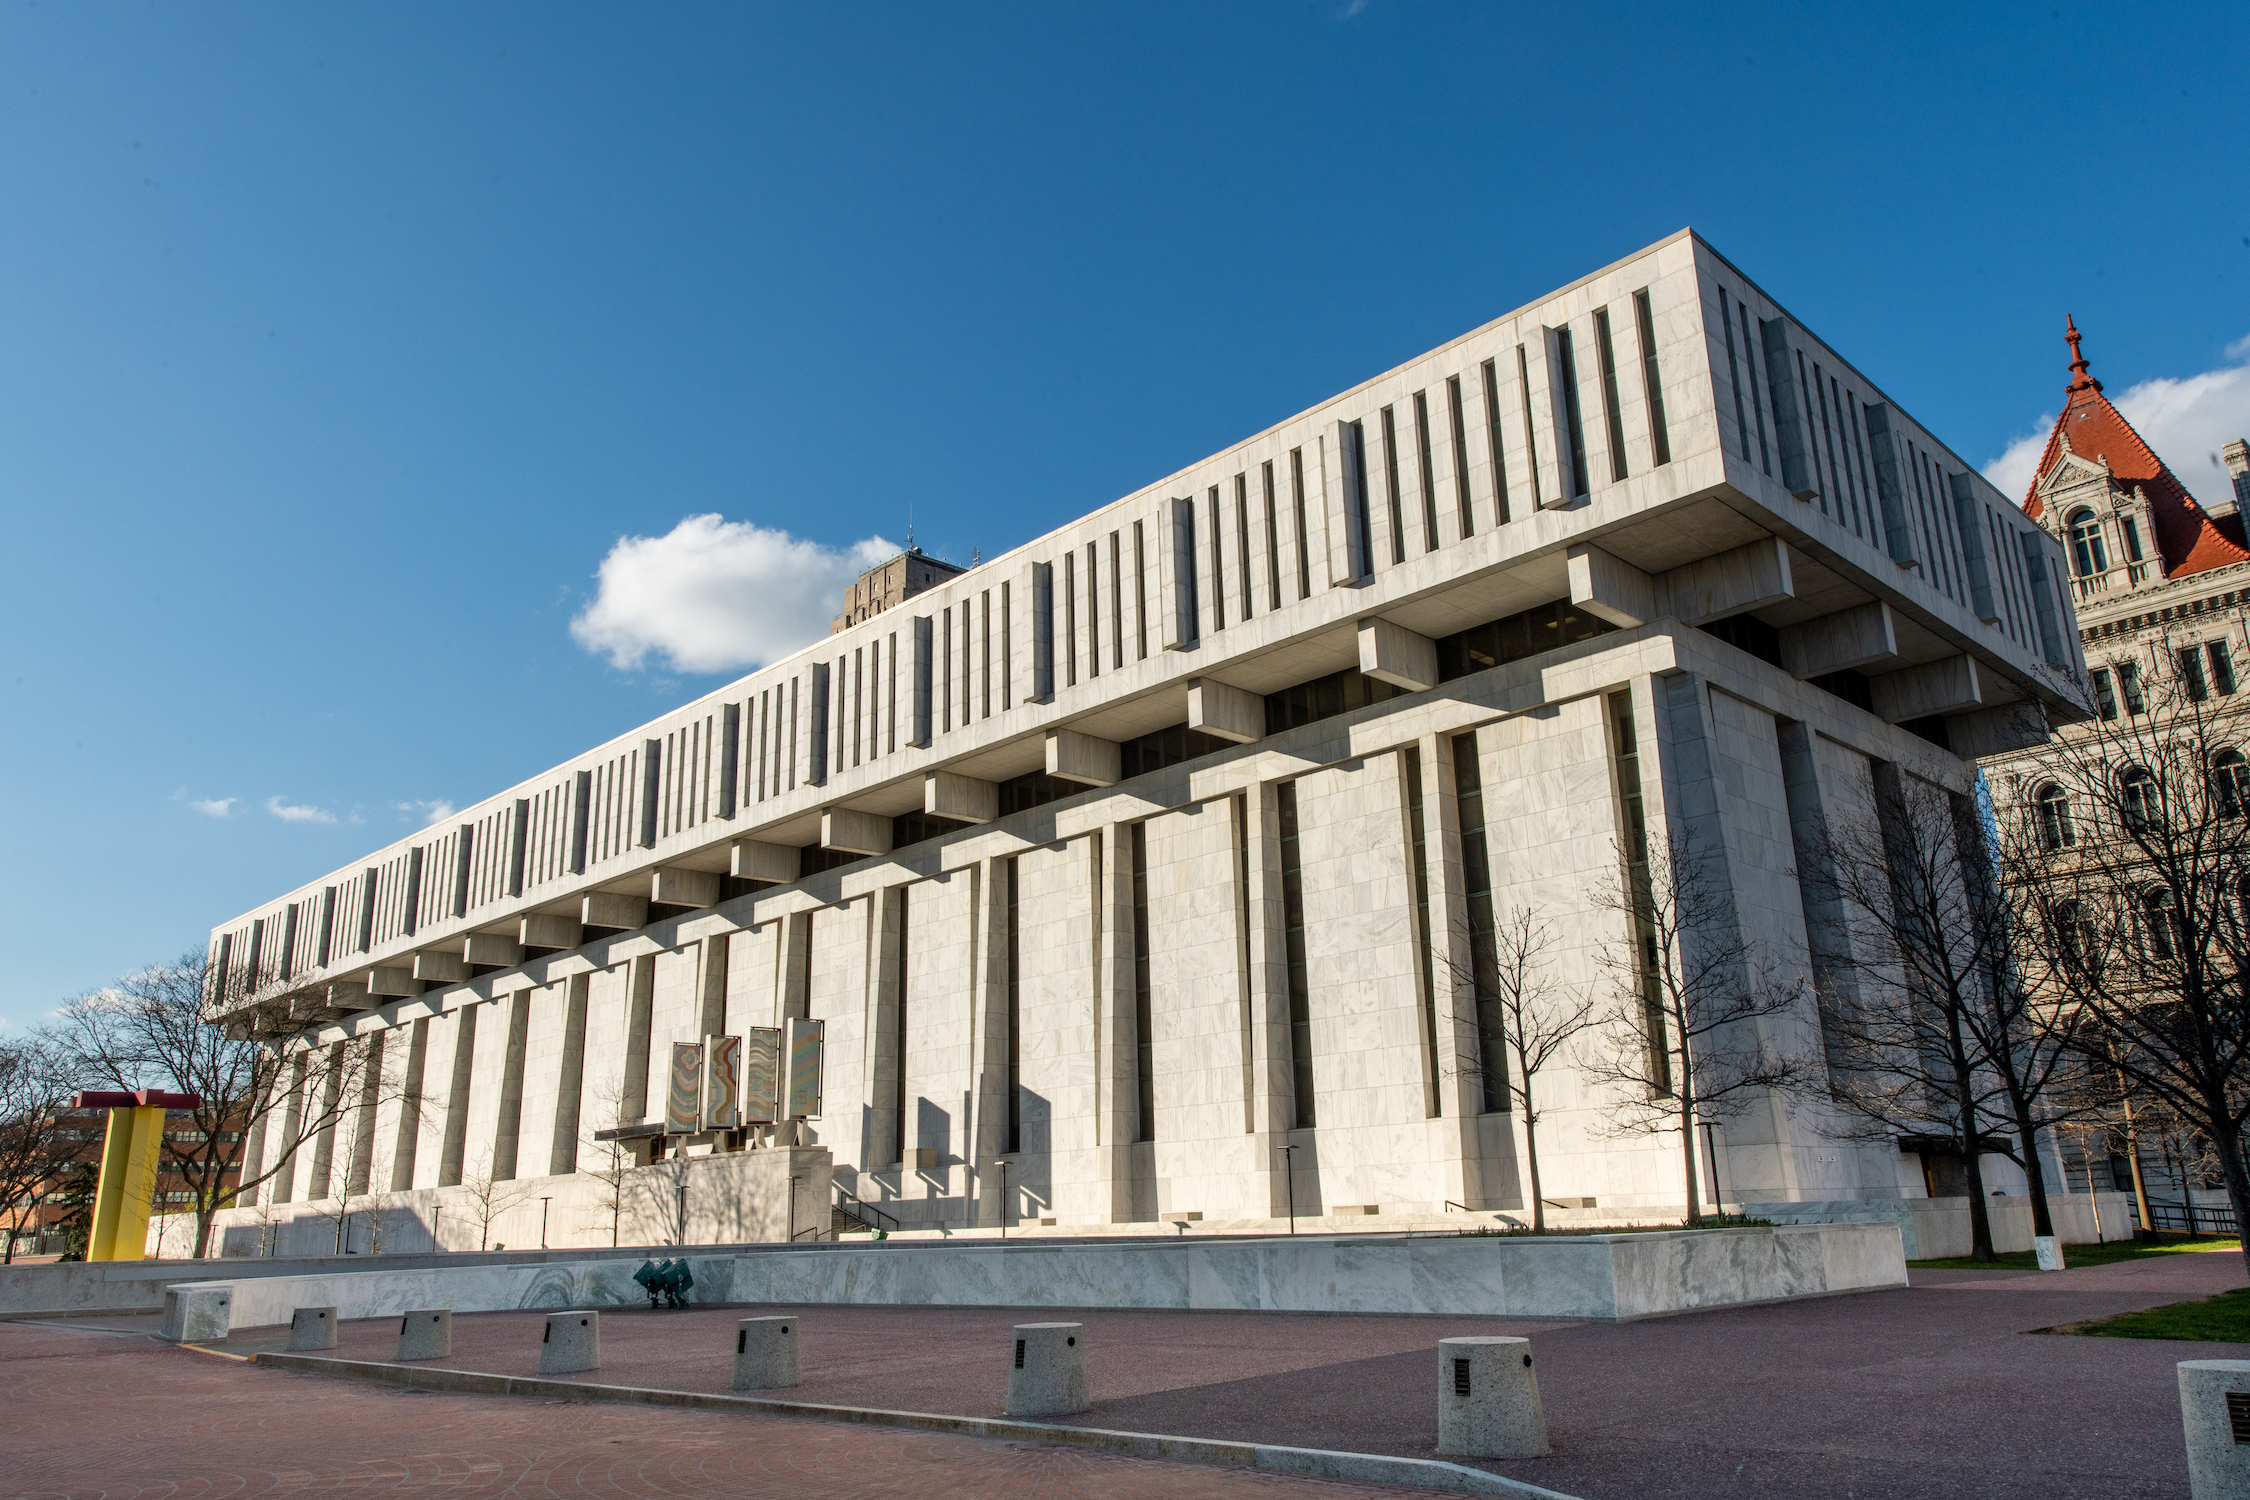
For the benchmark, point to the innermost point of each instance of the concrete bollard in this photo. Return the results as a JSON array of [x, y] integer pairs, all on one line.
[[2049, 1251], [196, 1314], [426, 1333], [2215, 1414], [1047, 1377], [312, 1328], [572, 1342], [765, 1354], [1488, 1399]]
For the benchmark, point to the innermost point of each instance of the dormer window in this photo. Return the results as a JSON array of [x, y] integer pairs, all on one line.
[[2132, 533], [2088, 553]]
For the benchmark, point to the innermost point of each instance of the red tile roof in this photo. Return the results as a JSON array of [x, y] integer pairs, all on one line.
[[2188, 540]]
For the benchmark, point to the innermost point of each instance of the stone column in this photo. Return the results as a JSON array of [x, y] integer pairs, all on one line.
[[507, 1131], [570, 1077], [1271, 1082]]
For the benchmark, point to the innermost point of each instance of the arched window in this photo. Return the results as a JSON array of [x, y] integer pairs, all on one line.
[[2230, 783], [2160, 911], [2088, 551], [2139, 799], [2050, 810]]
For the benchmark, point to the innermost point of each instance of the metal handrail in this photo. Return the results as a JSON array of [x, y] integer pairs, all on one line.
[[860, 1208]]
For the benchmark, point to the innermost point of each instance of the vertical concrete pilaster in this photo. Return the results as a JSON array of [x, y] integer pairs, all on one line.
[[406, 1146], [712, 962], [640, 1013], [1451, 964], [986, 1136], [507, 1133], [456, 1140], [1268, 971], [570, 1077]]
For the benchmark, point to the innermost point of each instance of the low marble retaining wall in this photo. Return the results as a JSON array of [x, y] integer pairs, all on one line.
[[1938, 1228], [1606, 1277]]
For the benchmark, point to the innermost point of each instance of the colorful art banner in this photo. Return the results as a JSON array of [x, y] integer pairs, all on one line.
[[761, 1075], [722, 1082], [683, 1100], [805, 1040]]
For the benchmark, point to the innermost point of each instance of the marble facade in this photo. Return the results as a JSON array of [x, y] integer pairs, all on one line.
[[1027, 939]]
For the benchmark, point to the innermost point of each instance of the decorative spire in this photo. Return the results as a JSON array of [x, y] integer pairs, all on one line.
[[2080, 380]]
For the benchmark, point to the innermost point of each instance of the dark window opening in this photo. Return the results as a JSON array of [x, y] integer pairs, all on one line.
[[1528, 632], [1848, 685], [1751, 634], [1652, 384], [1035, 789], [1160, 748], [1326, 697], [1390, 477]]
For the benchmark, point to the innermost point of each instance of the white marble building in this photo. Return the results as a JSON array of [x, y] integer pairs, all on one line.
[[1124, 861]]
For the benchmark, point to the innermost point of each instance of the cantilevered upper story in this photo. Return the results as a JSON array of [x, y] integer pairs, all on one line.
[[1657, 440]]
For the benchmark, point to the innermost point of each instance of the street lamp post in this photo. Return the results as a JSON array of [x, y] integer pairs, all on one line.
[[543, 1202], [1003, 1197]]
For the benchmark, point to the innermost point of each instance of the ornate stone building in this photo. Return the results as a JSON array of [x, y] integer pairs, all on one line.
[[2161, 582]]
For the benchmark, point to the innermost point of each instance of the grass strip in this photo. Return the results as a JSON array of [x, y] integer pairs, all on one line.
[[2075, 1256], [2224, 1319]]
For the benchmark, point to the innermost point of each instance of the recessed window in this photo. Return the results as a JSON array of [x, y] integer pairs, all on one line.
[[2088, 553], [2051, 813]]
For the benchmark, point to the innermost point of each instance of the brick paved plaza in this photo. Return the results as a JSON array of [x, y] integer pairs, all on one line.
[[1936, 1391]]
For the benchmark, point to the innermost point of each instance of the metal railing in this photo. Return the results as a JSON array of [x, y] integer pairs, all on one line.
[[2191, 1218], [852, 1206]]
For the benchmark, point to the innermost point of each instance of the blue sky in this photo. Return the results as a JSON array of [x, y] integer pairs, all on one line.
[[342, 345]]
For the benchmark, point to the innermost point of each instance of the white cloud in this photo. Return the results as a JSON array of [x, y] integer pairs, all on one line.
[[215, 807], [298, 812], [426, 812], [2186, 420], [713, 595]]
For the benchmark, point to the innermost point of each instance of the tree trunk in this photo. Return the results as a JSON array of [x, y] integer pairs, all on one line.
[[1687, 1133], [1531, 1156], [203, 1218], [2133, 1154], [2229, 1146], [2028, 1129]]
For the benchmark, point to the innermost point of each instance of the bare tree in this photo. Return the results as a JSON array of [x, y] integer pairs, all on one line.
[[2130, 860], [1930, 1028], [1682, 1032], [1525, 1021], [489, 1197], [231, 1039], [613, 1161], [36, 1136]]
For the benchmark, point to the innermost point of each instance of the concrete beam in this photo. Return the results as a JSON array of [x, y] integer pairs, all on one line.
[[493, 948], [752, 859], [1847, 640], [1072, 756], [440, 968], [386, 984], [675, 887], [613, 909], [1945, 686], [2000, 730], [854, 832], [1614, 590], [1397, 655], [946, 794], [344, 994], [1728, 583], [1231, 713], [550, 929]]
